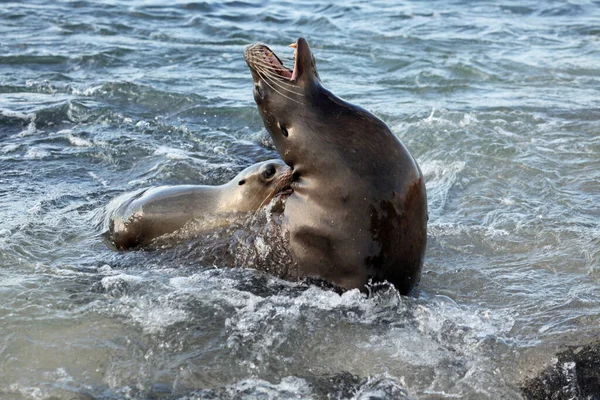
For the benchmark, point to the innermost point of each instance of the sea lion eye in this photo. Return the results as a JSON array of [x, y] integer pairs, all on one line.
[[269, 172], [284, 131], [242, 182]]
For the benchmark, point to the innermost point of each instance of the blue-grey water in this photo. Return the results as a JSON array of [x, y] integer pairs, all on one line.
[[498, 101]]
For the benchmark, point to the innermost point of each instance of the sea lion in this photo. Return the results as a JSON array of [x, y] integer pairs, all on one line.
[[358, 211], [149, 213]]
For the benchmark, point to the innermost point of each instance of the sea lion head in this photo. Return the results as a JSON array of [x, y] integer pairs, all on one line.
[[256, 185], [286, 98]]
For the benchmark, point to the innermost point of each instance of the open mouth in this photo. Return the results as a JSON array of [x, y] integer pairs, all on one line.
[[284, 192], [283, 185], [262, 59]]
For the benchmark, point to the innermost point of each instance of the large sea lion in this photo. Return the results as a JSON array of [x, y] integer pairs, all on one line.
[[358, 210], [144, 215]]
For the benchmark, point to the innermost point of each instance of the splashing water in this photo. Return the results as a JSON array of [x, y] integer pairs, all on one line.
[[497, 101]]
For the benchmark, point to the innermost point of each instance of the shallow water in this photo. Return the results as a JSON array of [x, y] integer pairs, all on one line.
[[497, 101]]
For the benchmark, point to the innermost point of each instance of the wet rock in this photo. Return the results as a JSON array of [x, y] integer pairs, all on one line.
[[574, 374]]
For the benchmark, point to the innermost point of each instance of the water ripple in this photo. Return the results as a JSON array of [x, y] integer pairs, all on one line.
[[497, 101]]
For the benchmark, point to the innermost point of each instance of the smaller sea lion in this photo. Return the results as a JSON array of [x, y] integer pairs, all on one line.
[[147, 214]]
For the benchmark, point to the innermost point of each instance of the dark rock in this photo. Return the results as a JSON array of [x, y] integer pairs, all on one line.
[[575, 374]]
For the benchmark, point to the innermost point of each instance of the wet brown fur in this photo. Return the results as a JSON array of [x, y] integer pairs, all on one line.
[[359, 207]]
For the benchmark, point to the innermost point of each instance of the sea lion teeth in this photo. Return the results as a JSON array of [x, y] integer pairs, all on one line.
[[295, 47]]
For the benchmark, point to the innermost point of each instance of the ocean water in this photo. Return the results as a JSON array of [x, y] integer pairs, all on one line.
[[498, 101]]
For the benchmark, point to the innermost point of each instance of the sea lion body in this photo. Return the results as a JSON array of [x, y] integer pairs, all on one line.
[[358, 210], [150, 213]]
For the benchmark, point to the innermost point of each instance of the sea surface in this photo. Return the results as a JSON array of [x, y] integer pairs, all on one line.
[[499, 101]]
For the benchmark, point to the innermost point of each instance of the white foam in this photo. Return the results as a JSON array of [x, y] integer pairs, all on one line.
[[154, 318], [30, 130], [171, 153], [9, 148], [382, 386], [220, 150], [290, 387], [152, 312], [106, 270], [77, 141], [467, 120], [436, 171], [15, 114], [91, 91], [116, 281], [261, 247], [27, 392], [35, 153], [103, 182], [455, 229], [440, 177], [59, 375]]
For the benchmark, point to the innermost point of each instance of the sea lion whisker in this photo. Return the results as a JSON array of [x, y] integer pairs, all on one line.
[[265, 77], [254, 196], [283, 181], [273, 72], [265, 201], [272, 66], [274, 89], [270, 60], [260, 61], [276, 79], [278, 83]]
